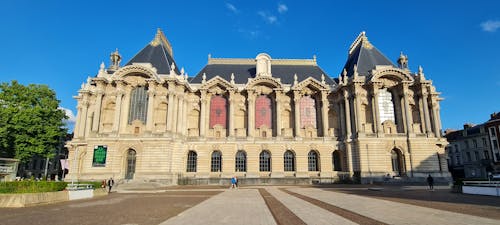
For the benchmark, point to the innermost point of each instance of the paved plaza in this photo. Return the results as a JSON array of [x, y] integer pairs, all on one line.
[[268, 205]]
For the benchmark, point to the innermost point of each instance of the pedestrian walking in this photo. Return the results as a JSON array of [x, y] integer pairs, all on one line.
[[111, 182], [233, 182], [430, 182], [236, 182]]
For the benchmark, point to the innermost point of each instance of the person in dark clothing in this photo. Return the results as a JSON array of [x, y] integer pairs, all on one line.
[[430, 181], [111, 182]]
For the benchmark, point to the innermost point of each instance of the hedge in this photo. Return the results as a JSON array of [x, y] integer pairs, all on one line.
[[30, 186]]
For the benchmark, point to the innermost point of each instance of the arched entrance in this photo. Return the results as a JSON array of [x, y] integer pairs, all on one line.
[[397, 160], [130, 169]]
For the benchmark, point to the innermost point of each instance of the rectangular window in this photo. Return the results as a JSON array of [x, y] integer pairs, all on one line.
[[485, 143], [466, 144], [100, 153], [493, 133], [486, 155], [495, 144], [476, 156], [468, 156], [474, 143]]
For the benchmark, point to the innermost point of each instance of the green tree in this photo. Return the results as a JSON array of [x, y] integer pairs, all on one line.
[[31, 122]]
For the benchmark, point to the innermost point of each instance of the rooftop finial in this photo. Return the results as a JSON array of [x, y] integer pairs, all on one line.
[[182, 71], [204, 78], [403, 61], [421, 73], [314, 57], [355, 70], [295, 79], [344, 77], [116, 58], [232, 78], [323, 79]]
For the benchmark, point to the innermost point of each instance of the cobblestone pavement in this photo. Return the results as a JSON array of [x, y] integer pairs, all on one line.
[[268, 205]]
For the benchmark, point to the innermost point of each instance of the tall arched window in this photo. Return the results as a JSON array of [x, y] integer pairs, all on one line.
[[397, 161], [312, 161], [138, 104], [289, 161], [263, 112], [241, 161], [265, 161], [191, 161], [218, 111], [386, 106], [307, 112], [337, 166], [216, 163]]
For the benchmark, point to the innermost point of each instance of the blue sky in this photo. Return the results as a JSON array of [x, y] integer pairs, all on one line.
[[60, 43]]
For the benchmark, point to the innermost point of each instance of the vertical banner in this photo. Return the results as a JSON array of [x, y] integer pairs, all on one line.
[[100, 153]]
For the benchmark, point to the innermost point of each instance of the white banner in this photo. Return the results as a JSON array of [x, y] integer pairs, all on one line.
[[64, 164]]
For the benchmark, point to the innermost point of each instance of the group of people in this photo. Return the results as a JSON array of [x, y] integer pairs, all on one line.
[[109, 183]]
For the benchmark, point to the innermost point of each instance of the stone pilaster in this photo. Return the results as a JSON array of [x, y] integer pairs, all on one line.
[[180, 107], [408, 113], [170, 110], [296, 99], [251, 113], [203, 111], [118, 107], [151, 101], [325, 104], [232, 102], [347, 115], [428, 127], [97, 110], [279, 99]]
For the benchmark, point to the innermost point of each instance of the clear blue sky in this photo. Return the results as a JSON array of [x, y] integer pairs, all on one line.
[[60, 43]]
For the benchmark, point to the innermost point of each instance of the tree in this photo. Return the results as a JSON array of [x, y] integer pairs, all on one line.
[[31, 122]]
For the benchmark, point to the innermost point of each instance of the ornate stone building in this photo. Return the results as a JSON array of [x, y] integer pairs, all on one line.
[[261, 119]]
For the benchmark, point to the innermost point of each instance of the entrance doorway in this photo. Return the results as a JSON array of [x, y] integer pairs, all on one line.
[[130, 170], [397, 162]]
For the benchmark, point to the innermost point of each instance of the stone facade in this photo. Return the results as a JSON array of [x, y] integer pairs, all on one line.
[[262, 119]]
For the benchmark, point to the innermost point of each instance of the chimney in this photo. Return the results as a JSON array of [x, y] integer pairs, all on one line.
[[468, 125]]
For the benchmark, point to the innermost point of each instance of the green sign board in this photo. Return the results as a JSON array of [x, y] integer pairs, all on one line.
[[100, 153]]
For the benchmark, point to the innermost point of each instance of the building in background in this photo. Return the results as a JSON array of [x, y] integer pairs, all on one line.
[[261, 119], [469, 153], [493, 128]]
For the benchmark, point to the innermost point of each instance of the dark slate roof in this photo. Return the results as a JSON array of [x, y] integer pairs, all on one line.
[[244, 71], [365, 56], [157, 54]]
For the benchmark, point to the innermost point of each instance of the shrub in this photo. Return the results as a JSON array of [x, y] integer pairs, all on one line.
[[31, 186]]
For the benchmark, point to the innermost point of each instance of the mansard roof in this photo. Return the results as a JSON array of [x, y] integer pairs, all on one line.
[[366, 56], [243, 69], [159, 53]]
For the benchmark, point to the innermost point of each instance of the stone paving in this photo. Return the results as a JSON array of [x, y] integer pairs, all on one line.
[[264, 205], [246, 206]]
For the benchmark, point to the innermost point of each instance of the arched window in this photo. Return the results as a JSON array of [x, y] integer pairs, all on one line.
[[218, 111], [289, 161], [216, 163], [397, 161], [307, 112], [263, 111], [312, 161], [386, 106], [241, 161], [191, 161], [138, 105], [130, 170], [337, 166], [265, 161]]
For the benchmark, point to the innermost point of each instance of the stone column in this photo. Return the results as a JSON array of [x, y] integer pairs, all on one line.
[[185, 115], [426, 113], [203, 109], [435, 117], [150, 115], [324, 112], [421, 113], [348, 158], [296, 99], [83, 118], [278, 112], [357, 115], [124, 111], [251, 113], [118, 107], [179, 110], [78, 118], [341, 118], [170, 109], [347, 115], [97, 111], [232, 101], [376, 119], [408, 112]]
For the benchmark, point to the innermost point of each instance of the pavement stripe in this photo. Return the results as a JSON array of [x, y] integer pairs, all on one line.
[[391, 212], [242, 206], [350, 215], [309, 213], [280, 212]]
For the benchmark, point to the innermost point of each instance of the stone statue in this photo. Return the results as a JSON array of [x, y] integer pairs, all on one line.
[[403, 61], [116, 58]]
